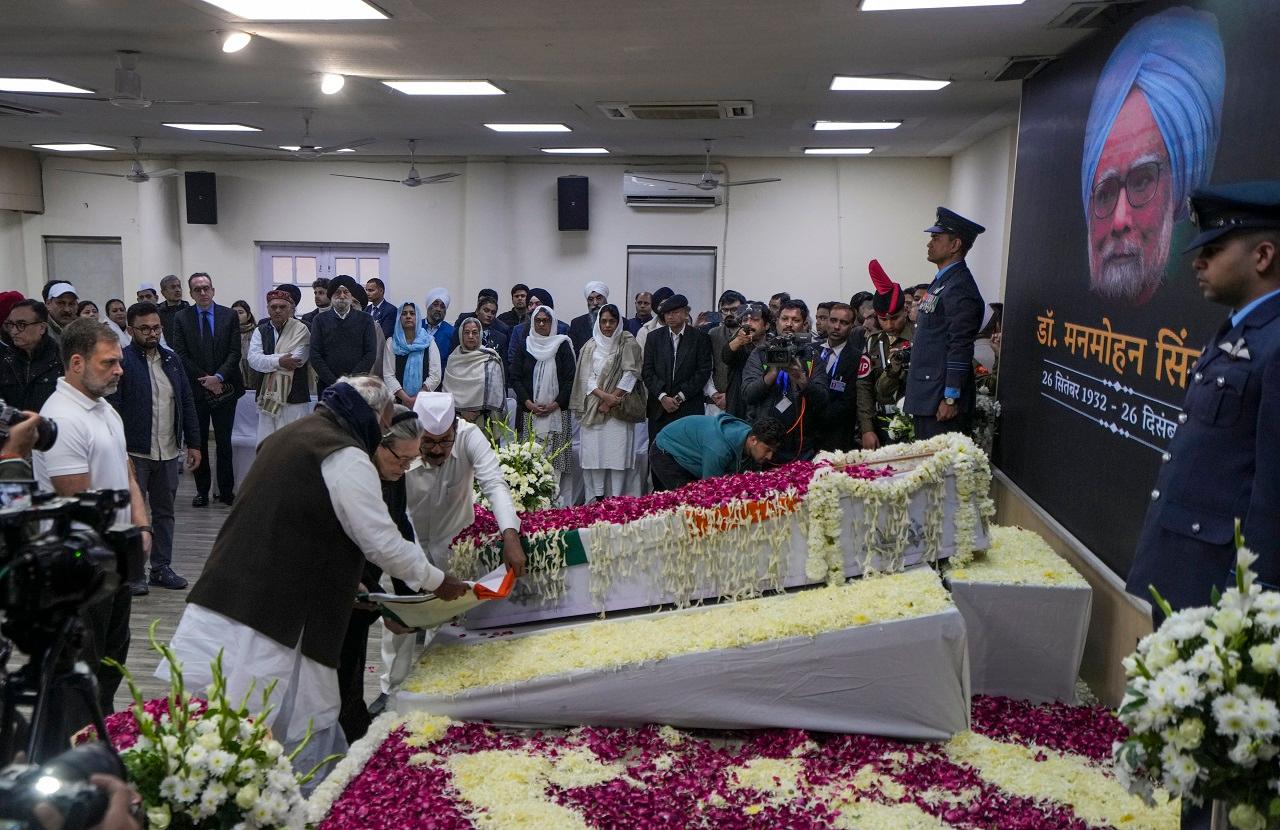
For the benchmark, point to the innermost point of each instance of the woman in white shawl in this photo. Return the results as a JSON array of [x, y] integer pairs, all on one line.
[[542, 370], [475, 377], [608, 371]]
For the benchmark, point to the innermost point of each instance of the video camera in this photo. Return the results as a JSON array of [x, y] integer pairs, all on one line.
[[781, 350], [58, 555], [46, 430]]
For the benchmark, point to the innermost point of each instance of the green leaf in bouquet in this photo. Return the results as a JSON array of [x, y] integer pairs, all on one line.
[[1273, 810], [1135, 704], [1162, 603]]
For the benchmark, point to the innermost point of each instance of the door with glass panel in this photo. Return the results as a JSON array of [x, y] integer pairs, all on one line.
[[300, 263]]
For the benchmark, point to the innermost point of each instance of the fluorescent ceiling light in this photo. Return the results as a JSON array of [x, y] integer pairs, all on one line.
[[837, 151], [72, 148], [235, 41], [898, 5], [39, 85], [300, 9], [445, 87], [856, 125], [842, 83], [293, 148], [215, 128], [572, 151], [528, 128], [345, 150], [331, 84]]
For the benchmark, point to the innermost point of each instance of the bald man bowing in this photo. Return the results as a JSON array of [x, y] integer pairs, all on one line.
[[454, 454]]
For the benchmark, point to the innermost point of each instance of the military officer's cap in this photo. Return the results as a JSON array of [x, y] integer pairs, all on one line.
[[1217, 211], [948, 221]]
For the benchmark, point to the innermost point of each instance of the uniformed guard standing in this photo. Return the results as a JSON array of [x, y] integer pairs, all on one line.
[[940, 388], [882, 372], [1224, 462]]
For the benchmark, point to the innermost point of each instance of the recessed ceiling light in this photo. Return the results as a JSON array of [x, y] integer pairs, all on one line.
[[837, 151], [528, 128], [72, 148], [40, 85], [576, 151], [235, 41], [898, 5], [345, 150], [293, 148], [846, 82], [856, 125], [216, 128], [445, 87], [331, 84], [300, 9]]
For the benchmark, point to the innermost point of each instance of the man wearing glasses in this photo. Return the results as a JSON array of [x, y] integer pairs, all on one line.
[[454, 454], [29, 371], [158, 408]]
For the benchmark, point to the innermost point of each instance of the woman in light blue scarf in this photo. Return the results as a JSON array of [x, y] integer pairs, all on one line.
[[407, 351]]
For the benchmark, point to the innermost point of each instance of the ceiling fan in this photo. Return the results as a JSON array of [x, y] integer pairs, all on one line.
[[709, 180], [127, 90], [136, 173], [413, 179], [305, 149]]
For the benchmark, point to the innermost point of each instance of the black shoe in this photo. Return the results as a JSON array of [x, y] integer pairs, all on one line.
[[139, 589], [200, 501], [227, 500], [378, 706], [166, 578]]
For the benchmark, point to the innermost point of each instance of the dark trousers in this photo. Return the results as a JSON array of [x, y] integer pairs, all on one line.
[[158, 481], [107, 629], [666, 472], [353, 716], [927, 426], [223, 418]]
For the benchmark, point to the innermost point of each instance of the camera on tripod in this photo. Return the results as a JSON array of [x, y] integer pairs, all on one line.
[[781, 350], [57, 557], [46, 430]]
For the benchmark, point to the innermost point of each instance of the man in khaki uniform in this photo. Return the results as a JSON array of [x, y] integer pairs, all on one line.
[[882, 372]]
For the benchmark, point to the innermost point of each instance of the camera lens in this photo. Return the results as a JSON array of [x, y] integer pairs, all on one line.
[[46, 434]]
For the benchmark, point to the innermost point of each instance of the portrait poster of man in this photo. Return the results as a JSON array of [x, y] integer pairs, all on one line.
[[1103, 314]]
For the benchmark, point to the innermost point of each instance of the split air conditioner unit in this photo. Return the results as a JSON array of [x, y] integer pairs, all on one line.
[[679, 191]]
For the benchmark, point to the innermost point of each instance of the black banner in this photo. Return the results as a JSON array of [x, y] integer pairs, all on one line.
[[1103, 315]]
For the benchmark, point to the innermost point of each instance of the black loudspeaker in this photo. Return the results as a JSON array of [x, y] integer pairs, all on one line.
[[202, 198], [572, 193]]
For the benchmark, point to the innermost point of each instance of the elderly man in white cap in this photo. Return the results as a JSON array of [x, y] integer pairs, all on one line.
[[452, 455], [147, 293], [437, 304], [580, 328], [61, 300]]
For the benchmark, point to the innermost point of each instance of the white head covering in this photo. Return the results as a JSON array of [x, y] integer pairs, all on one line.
[[60, 288], [544, 347], [437, 293], [435, 410], [606, 346], [596, 286], [146, 286]]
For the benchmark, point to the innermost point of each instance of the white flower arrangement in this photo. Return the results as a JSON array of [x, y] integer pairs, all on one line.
[[986, 420], [526, 466], [1201, 703], [900, 426], [949, 453], [219, 769]]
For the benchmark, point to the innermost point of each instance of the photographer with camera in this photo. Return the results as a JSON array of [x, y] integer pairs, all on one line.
[[882, 371], [755, 321], [730, 304], [785, 378], [90, 454]]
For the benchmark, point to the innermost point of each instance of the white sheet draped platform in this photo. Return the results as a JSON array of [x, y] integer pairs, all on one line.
[[641, 588], [1025, 641], [902, 679]]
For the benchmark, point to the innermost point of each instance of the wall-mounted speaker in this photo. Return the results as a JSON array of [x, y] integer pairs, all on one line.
[[573, 206], [202, 198]]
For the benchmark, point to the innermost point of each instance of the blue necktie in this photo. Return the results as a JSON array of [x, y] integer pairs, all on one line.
[[208, 316]]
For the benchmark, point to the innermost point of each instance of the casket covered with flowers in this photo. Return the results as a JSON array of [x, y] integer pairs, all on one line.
[[740, 536]]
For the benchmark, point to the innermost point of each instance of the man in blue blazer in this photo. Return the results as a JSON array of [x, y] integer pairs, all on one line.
[[940, 389], [1223, 464]]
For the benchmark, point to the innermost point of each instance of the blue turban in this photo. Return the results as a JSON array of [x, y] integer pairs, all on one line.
[[1176, 59]]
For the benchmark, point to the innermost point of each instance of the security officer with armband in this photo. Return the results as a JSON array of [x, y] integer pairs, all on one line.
[[1223, 464], [940, 389], [882, 371]]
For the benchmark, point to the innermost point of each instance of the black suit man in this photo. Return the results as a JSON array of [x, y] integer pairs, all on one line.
[[677, 366], [841, 356], [207, 338], [581, 327]]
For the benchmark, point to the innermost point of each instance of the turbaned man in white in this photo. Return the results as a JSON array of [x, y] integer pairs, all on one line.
[[454, 453]]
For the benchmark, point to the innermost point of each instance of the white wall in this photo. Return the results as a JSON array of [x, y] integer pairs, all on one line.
[[982, 190], [13, 266], [810, 234]]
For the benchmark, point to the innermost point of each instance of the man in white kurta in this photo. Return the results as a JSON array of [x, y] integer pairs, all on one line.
[[279, 404], [441, 502]]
